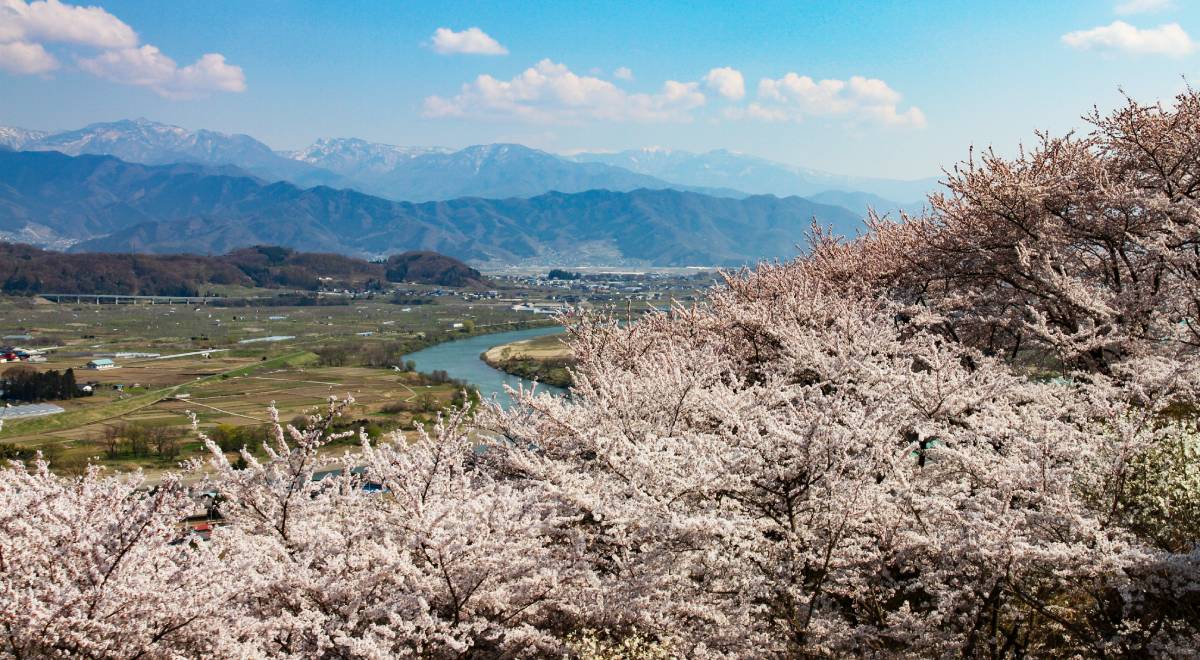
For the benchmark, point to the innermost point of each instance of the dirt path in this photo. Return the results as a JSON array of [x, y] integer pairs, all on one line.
[[227, 412]]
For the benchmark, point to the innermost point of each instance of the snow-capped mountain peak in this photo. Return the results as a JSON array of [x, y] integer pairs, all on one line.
[[353, 156], [17, 138]]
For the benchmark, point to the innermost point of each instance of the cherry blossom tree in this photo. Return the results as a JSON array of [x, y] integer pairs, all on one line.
[[400, 549], [102, 566], [1080, 253], [792, 472], [967, 433]]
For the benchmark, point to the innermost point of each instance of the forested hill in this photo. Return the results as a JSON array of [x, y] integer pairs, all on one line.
[[27, 270], [101, 204]]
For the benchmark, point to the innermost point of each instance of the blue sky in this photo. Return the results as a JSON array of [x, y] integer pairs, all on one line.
[[911, 85]]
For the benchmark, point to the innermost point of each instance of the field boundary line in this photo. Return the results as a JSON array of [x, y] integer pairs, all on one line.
[[227, 412]]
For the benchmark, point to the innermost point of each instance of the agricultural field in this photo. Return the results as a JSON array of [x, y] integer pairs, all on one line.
[[226, 366], [226, 361], [91, 328]]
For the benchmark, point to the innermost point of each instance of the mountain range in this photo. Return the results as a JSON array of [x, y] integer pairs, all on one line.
[[397, 173], [494, 170], [729, 169], [16, 138], [152, 143], [102, 203]]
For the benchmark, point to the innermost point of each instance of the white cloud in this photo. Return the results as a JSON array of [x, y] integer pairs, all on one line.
[[25, 28], [211, 73], [147, 66], [51, 20], [623, 73], [550, 92], [1142, 6], [471, 41], [727, 82], [27, 59], [1168, 39], [794, 97]]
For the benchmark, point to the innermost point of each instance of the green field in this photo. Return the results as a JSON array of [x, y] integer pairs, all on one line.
[[342, 350], [350, 347]]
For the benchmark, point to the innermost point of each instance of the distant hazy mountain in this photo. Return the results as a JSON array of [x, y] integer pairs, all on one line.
[[419, 174], [116, 206], [432, 173], [859, 202], [729, 169], [152, 143], [16, 138], [359, 159]]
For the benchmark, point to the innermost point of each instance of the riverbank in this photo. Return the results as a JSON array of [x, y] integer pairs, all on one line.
[[544, 359], [430, 340], [460, 359]]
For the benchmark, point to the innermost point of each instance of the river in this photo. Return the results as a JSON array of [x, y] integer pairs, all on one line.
[[460, 359]]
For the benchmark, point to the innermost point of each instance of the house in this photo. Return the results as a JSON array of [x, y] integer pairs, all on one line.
[[101, 363]]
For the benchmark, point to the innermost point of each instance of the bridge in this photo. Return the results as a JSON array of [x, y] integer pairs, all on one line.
[[124, 299]]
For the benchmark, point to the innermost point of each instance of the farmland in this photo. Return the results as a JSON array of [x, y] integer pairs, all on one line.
[[174, 360], [227, 361]]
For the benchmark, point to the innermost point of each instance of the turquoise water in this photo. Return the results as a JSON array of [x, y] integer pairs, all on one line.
[[460, 359]]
